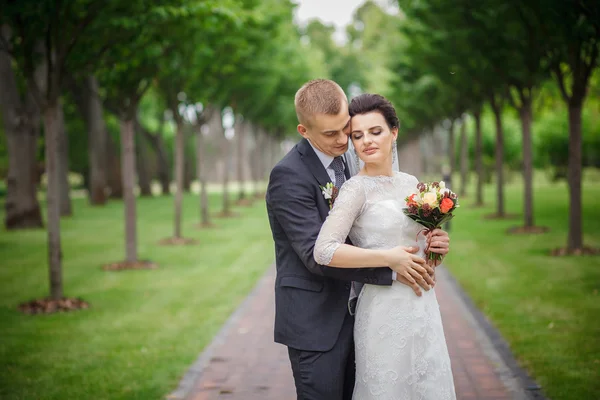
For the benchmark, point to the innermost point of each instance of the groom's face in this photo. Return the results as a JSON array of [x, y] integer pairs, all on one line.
[[328, 133]]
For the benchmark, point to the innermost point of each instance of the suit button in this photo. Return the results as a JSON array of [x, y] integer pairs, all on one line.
[[347, 286]]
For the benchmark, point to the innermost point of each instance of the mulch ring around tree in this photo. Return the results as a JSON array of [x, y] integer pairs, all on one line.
[[123, 265], [244, 202], [175, 241], [527, 230], [205, 225], [229, 214], [50, 306], [584, 251], [495, 216]]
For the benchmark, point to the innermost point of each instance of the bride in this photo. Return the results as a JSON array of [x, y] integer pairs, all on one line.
[[400, 347]]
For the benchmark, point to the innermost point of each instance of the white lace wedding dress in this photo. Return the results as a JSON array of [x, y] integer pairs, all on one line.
[[401, 350]]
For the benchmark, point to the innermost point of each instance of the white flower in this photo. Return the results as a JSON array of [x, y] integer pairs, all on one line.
[[430, 198], [442, 185], [327, 191]]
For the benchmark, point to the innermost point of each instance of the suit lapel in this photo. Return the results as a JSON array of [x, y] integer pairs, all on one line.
[[315, 166], [309, 157]]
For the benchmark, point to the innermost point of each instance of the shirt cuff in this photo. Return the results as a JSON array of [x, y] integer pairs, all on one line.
[[394, 275]]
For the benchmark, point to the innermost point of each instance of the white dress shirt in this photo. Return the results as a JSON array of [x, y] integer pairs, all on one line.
[[326, 161]]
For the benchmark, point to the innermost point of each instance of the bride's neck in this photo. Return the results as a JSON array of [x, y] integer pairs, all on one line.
[[377, 169]]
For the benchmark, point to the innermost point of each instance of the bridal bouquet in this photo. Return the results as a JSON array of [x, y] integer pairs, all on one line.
[[432, 206]]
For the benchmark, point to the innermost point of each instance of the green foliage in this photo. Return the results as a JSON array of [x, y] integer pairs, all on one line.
[[552, 129], [374, 41], [77, 137], [512, 140], [128, 67]]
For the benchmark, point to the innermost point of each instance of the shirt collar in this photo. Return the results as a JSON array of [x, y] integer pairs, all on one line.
[[324, 158]]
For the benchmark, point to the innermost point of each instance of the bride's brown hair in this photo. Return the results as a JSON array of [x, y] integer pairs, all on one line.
[[366, 103]]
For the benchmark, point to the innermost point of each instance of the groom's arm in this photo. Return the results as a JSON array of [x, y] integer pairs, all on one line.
[[292, 202]]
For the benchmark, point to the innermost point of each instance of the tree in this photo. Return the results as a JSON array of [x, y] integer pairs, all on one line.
[[21, 118], [87, 99], [41, 35], [572, 31], [129, 68], [214, 24], [497, 105], [202, 116], [66, 209]]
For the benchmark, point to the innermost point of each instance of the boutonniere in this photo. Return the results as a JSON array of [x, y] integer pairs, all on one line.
[[330, 192]]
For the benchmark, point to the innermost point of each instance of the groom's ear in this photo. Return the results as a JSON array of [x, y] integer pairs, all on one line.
[[302, 130]]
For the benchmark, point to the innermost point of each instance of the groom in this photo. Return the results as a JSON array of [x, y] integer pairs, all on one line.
[[313, 315]]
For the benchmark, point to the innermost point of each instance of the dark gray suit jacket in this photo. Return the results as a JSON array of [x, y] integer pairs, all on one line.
[[311, 300]]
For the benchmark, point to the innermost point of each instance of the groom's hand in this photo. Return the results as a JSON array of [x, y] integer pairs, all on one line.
[[415, 287], [438, 242]]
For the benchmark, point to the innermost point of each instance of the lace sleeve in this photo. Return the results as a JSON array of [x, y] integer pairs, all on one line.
[[346, 208]]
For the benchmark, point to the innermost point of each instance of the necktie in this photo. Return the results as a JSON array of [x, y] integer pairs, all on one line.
[[338, 167]]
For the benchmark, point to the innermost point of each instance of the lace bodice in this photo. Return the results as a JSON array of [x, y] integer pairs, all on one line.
[[369, 211]]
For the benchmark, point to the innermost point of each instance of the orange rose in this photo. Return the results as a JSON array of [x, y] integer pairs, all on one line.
[[446, 205], [411, 200]]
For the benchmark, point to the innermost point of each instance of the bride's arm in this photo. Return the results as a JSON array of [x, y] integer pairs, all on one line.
[[331, 250]]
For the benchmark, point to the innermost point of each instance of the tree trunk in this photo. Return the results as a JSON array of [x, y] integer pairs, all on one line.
[[179, 174], [451, 147], [21, 126], [164, 172], [575, 237], [497, 108], [115, 175], [188, 166], [51, 130], [157, 143], [128, 169], [97, 138], [525, 114], [217, 132], [259, 145], [478, 158], [240, 137], [141, 159], [273, 153], [226, 155], [464, 158], [66, 208], [204, 214]]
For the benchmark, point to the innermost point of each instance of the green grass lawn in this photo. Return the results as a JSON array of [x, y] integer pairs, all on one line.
[[144, 327], [547, 308]]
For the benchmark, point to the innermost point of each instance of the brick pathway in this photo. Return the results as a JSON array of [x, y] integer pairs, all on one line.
[[244, 363]]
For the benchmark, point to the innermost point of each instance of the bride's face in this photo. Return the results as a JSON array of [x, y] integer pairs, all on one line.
[[372, 138]]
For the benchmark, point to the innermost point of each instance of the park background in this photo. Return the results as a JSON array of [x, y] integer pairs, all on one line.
[[137, 139]]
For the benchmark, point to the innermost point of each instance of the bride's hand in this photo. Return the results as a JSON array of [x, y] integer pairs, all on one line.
[[411, 269], [439, 243]]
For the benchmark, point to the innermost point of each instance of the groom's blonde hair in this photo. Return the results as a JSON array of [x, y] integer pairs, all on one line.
[[319, 96]]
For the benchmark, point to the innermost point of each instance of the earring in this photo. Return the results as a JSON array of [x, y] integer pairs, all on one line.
[[356, 161], [394, 153]]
